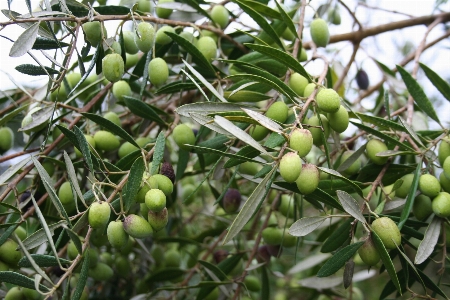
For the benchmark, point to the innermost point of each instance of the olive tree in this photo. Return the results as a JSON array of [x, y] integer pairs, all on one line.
[[234, 150]]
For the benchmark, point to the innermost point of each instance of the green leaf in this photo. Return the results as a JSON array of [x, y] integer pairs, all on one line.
[[418, 94], [265, 284], [208, 122], [112, 10], [12, 170], [238, 133], [395, 171], [199, 77], [338, 237], [247, 151], [306, 225], [34, 70], [264, 121], [338, 260], [411, 196], [43, 43], [48, 185], [133, 183], [81, 283], [385, 68], [199, 149], [261, 21], [84, 147], [176, 87], [431, 284], [263, 9], [206, 108], [437, 81], [380, 122], [42, 260], [351, 159], [337, 174], [73, 178], [386, 259], [197, 56], [288, 92], [143, 110], [430, 240], [88, 71], [20, 280], [25, 41], [282, 57], [39, 237], [350, 205], [158, 154], [250, 207], [383, 136], [110, 126], [9, 116]]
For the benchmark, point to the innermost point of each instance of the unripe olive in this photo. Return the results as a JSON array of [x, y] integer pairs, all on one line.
[[220, 15], [29, 118], [316, 132], [161, 37], [278, 111], [288, 35], [99, 214], [354, 167], [113, 67], [21, 232], [272, 235], [113, 117], [106, 141], [30, 294], [335, 16], [6, 139], [387, 231], [93, 257], [422, 207], [72, 251], [441, 205], [9, 254], [309, 89], [208, 47], [146, 32], [127, 148], [446, 167], [404, 189], [252, 283], [172, 258], [209, 33], [286, 206], [93, 32], [120, 89], [290, 166], [155, 200], [163, 13], [65, 193], [302, 55], [298, 83], [231, 201], [288, 240], [308, 180], [189, 37], [444, 150], [158, 219], [114, 48], [3, 266], [137, 227], [14, 293], [445, 182], [129, 42], [362, 79], [123, 266], [145, 5], [132, 60], [183, 134], [101, 272], [429, 185], [249, 168], [163, 183], [319, 32], [374, 147], [258, 132], [339, 120], [369, 253], [301, 140], [117, 236], [328, 100], [158, 71]]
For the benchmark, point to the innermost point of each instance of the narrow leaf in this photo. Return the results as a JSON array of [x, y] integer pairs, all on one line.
[[338, 237], [386, 259], [158, 154], [20, 280], [308, 262], [110, 126], [34, 70], [206, 108], [238, 133], [143, 110], [39, 237], [84, 148], [337, 174], [207, 122], [81, 283], [42, 260], [430, 240], [133, 183], [350, 205], [9, 116], [410, 198], [73, 177], [437, 81], [43, 43], [12, 170], [25, 41], [418, 94], [250, 207], [264, 121], [351, 159], [338, 260], [305, 226]]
